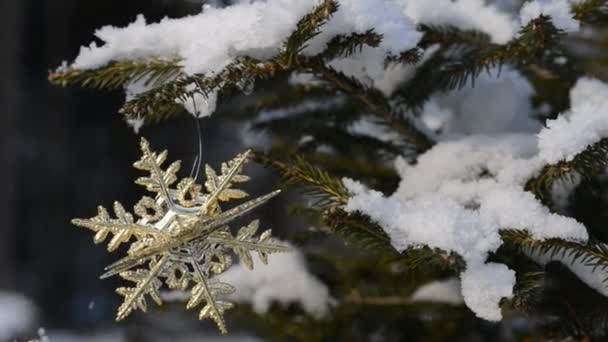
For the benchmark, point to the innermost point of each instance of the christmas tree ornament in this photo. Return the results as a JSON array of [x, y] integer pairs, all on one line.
[[180, 236]]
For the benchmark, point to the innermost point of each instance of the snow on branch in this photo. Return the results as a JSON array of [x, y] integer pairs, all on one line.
[[464, 192], [284, 279]]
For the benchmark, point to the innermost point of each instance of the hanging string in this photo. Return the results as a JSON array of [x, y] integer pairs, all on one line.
[[196, 166]]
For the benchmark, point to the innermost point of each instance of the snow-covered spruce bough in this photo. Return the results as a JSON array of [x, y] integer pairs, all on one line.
[[366, 81]]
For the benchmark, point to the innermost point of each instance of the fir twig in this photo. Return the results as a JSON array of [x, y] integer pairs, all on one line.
[[589, 163], [465, 54], [346, 45], [328, 190], [117, 74], [307, 28], [593, 254], [358, 230], [590, 11], [375, 101]]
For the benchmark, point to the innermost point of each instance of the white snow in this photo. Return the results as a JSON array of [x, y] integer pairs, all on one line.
[[439, 291], [200, 105], [284, 279], [559, 10], [210, 40], [465, 189], [499, 103], [583, 125], [17, 315], [457, 198], [484, 286], [464, 14]]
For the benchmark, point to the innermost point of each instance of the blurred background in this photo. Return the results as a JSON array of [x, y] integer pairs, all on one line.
[[63, 152]]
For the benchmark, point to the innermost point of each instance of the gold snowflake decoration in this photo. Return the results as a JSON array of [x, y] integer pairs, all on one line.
[[181, 237]]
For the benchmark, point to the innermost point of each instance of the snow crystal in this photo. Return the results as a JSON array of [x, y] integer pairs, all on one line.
[[439, 291], [484, 286], [464, 14], [559, 10], [583, 125], [457, 197], [284, 279]]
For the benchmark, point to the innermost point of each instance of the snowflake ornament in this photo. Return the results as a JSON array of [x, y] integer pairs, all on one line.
[[181, 237]]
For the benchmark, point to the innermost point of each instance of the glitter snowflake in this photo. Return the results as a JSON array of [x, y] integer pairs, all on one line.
[[181, 237]]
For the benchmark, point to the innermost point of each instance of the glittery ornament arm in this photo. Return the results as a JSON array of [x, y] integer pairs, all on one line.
[[148, 283], [123, 227], [202, 291], [198, 231], [245, 242], [227, 180]]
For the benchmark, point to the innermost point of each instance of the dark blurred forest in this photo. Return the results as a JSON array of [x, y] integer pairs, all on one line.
[[65, 151]]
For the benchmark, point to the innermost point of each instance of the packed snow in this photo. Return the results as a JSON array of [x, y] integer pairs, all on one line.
[[18, 315], [210, 40], [483, 287], [583, 125], [488, 18], [559, 10], [283, 280], [439, 291], [463, 191]]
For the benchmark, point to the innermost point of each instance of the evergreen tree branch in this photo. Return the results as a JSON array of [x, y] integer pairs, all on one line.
[[346, 45], [465, 54], [117, 74], [590, 11], [307, 28], [160, 103], [375, 101], [589, 163], [592, 254], [297, 170], [357, 229], [447, 36], [410, 56]]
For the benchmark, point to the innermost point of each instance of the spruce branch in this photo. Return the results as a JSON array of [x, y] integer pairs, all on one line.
[[465, 54], [358, 230], [372, 98], [346, 45], [447, 35], [286, 96], [154, 71], [410, 56], [307, 28], [589, 163], [160, 103], [590, 11], [328, 190], [592, 254], [530, 47]]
